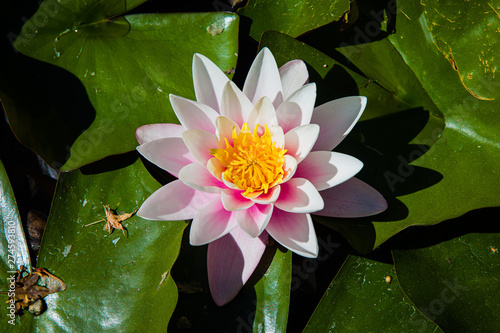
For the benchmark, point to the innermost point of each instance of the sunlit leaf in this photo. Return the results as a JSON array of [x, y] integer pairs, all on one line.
[[292, 17]]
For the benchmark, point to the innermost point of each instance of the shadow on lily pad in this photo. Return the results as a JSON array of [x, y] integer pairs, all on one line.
[[383, 145], [46, 106]]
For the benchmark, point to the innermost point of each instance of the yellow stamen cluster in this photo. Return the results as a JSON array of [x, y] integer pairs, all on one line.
[[253, 163]]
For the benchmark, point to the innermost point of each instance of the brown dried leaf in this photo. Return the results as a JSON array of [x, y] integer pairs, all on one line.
[[52, 282], [114, 221], [28, 294]]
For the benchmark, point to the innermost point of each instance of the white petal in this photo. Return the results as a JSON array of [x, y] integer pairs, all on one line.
[[232, 200], [170, 154], [199, 144], [295, 232], [235, 104], [300, 140], [194, 115], [352, 198], [174, 201], [336, 119], [298, 195], [231, 261], [293, 76], [277, 136], [152, 132], [198, 177], [298, 108], [255, 219], [211, 222], [224, 131], [262, 114], [325, 169], [263, 79], [208, 81]]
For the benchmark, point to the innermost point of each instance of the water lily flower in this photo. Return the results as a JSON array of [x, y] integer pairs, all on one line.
[[252, 163]]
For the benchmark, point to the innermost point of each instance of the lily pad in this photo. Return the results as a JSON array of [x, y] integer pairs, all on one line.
[[125, 278], [454, 282], [443, 173], [273, 295], [97, 75], [365, 297], [466, 36], [292, 17]]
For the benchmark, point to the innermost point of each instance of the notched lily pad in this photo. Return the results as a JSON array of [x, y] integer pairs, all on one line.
[[27, 290]]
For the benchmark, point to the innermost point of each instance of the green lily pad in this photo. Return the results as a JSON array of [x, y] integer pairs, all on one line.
[[438, 42], [114, 281], [365, 297], [454, 282], [273, 295], [453, 29], [95, 75], [292, 17], [468, 152]]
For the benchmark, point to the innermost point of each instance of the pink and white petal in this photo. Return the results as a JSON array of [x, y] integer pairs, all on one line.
[[297, 109], [336, 119], [170, 154], [194, 115], [352, 198], [325, 169], [152, 132], [231, 261], [208, 81], [262, 114], [295, 232], [293, 76], [298, 195], [255, 219], [211, 222], [300, 140], [235, 104], [224, 131], [215, 167], [198, 177], [267, 198], [290, 167], [232, 200], [174, 201], [277, 136], [199, 143], [263, 79]]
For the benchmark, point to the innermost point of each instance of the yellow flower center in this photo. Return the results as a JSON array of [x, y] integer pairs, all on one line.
[[253, 163]]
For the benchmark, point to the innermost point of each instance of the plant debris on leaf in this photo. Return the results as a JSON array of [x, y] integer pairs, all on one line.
[[114, 220], [29, 294]]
